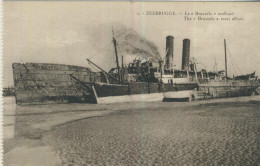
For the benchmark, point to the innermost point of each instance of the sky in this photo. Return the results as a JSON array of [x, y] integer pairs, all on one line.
[[67, 32]]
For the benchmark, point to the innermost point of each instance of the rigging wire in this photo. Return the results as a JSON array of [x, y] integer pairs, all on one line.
[[104, 48], [111, 60], [233, 60], [236, 67], [235, 70], [232, 67], [215, 64]]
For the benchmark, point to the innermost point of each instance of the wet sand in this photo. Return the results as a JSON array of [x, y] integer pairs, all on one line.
[[212, 132]]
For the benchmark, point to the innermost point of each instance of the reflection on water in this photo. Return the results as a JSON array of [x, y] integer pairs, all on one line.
[[20, 150], [9, 108]]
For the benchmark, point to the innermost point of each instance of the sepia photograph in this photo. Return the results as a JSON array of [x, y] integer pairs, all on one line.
[[88, 83]]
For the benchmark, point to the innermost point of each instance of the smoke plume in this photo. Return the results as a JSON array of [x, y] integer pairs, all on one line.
[[130, 43]]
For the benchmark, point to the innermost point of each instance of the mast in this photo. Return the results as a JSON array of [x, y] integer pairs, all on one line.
[[215, 65], [195, 69], [160, 66], [123, 70], [225, 56], [117, 62]]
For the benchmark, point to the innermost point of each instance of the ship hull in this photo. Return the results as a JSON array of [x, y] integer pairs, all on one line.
[[149, 92], [39, 83], [153, 97], [131, 98], [142, 92]]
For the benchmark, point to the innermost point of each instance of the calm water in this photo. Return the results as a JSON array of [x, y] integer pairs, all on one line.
[[9, 108]]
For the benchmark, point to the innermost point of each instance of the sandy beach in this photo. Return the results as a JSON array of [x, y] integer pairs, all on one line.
[[209, 132]]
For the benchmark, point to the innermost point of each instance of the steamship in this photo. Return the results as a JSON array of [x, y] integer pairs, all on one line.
[[38, 83], [143, 81], [149, 80]]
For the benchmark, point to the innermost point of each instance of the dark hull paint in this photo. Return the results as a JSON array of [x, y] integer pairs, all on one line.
[[105, 90], [39, 83]]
